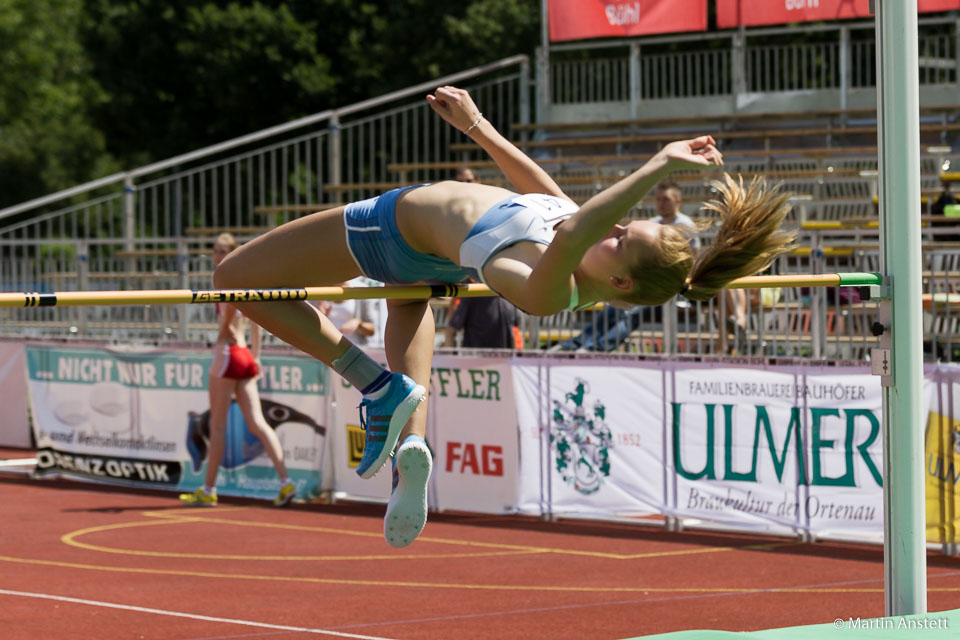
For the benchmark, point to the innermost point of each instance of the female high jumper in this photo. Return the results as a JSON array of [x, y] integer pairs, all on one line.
[[536, 248]]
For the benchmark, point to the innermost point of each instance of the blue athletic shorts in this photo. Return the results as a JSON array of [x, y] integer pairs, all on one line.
[[382, 253]]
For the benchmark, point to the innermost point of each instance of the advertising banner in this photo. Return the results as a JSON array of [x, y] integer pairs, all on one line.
[[771, 450], [777, 450], [602, 440], [734, 13], [15, 425], [141, 418], [942, 455], [533, 435], [472, 429], [581, 19]]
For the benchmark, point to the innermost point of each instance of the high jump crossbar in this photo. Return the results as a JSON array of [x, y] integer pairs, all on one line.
[[189, 296]]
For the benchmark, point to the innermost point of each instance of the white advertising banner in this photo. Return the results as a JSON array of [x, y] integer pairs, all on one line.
[[472, 430], [533, 435], [15, 423], [604, 437], [768, 449], [142, 418], [777, 450]]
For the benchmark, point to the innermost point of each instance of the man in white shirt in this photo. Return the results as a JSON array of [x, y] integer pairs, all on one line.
[[363, 321], [669, 198]]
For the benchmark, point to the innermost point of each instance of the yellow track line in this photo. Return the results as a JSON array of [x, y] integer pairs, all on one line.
[[502, 548], [442, 585]]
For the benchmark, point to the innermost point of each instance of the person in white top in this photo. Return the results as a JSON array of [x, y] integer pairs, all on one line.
[[669, 199], [362, 321]]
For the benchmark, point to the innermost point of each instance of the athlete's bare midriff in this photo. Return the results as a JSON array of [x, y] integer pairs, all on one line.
[[435, 219]]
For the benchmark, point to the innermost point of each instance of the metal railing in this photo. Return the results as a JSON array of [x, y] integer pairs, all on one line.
[[731, 64], [816, 323], [151, 224], [259, 179], [151, 227]]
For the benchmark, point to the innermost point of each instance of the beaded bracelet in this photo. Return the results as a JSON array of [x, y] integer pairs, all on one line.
[[474, 125]]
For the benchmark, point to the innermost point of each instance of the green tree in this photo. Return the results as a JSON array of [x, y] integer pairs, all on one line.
[[87, 81], [380, 46], [494, 29], [188, 74], [48, 140]]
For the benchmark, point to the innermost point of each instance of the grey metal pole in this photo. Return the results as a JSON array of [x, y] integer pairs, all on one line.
[[738, 51], [334, 153], [635, 79], [525, 92], [129, 212], [845, 58], [544, 25], [543, 84], [898, 115]]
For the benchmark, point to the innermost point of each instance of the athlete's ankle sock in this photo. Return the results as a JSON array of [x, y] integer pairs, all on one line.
[[208, 490], [362, 372], [413, 438]]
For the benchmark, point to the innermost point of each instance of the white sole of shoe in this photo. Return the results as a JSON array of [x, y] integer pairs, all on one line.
[[407, 509], [397, 421]]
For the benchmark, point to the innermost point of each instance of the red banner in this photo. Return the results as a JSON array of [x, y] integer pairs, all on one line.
[[749, 13], [579, 19]]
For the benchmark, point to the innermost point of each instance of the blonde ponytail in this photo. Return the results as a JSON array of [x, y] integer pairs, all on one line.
[[748, 239]]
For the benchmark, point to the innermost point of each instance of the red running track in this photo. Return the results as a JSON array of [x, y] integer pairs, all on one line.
[[83, 561]]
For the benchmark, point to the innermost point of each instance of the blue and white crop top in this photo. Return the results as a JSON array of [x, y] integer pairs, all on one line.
[[530, 217]]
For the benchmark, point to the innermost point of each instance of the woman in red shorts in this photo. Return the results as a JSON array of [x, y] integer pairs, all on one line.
[[234, 374]]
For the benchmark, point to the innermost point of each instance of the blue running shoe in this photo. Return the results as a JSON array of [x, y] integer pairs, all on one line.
[[407, 509], [385, 419]]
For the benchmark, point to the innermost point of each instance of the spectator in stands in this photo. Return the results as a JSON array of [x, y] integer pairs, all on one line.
[[486, 323], [945, 198], [539, 250], [466, 174], [940, 207], [234, 374], [610, 328], [669, 198], [363, 321]]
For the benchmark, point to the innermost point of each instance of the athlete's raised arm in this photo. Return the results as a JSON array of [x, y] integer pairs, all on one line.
[[549, 285], [457, 107]]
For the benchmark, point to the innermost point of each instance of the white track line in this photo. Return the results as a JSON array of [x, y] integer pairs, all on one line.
[[18, 462], [177, 614]]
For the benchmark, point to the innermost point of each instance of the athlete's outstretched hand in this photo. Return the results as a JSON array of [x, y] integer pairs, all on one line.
[[455, 106], [697, 152]]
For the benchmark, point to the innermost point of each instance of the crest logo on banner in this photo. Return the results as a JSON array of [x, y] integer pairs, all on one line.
[[581, 442]]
